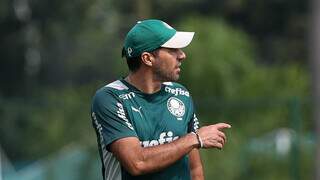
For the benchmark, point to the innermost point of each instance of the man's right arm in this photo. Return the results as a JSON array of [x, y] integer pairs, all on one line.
[[138, 160]]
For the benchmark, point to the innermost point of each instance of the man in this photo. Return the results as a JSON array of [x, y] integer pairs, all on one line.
[[145, 123]]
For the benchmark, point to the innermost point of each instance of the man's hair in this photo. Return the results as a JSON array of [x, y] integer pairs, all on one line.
[[134, 63]]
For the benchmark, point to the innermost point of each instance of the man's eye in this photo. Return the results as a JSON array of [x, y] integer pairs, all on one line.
[[172, 50]]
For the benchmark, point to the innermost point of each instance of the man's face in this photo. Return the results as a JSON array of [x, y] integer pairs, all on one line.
[[167, 64]]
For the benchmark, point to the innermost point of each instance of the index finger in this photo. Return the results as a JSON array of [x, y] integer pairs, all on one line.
[[222, 125]]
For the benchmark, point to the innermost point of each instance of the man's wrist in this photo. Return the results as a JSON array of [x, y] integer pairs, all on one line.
[[195, 142], [199, 140]]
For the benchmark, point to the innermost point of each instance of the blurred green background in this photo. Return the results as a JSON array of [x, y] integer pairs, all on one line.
[[247, 65]]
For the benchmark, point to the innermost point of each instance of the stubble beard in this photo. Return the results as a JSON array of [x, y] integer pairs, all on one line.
[[164, 75]]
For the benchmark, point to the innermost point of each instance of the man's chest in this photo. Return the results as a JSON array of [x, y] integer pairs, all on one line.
[[159, 122]]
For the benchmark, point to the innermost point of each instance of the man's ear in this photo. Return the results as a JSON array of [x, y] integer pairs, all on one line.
[[147, 58]]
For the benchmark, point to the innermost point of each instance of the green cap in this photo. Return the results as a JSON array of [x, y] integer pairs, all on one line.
[[148, 35]]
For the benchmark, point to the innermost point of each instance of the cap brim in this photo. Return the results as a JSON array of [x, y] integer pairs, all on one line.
[[179, 40]]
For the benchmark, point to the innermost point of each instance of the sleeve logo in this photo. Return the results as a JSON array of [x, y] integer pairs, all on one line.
[[176, 107], [121, 114], [195, 123]]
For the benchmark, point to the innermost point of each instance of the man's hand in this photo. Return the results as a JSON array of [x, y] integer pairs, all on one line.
[[212, 136]]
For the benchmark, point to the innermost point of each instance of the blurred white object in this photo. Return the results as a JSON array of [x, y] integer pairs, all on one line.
[[283, 141]]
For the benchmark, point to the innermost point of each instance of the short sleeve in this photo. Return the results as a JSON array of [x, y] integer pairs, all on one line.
[[194, 124], [109, 118]]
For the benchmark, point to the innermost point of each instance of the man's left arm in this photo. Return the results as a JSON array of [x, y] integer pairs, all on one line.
[[196, 165]]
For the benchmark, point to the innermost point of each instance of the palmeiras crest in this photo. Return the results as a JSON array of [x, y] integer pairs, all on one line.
[[176, 107]]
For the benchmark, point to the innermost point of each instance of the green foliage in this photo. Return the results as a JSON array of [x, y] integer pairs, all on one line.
[[221, 60], [218, 59], [45, 123]]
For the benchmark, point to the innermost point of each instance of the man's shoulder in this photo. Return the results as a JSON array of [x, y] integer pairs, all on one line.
[[176, 88], [115, 86], [111, 90]]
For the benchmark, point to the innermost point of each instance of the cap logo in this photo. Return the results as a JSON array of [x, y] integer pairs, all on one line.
[[167, 25], [129, 51]]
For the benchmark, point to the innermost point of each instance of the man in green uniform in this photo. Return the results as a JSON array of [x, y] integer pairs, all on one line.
[[146, 124]]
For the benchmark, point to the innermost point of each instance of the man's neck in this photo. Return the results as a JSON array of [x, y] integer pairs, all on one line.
[[143, 82]]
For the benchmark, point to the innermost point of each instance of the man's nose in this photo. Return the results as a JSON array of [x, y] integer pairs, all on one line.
[[181, 55]]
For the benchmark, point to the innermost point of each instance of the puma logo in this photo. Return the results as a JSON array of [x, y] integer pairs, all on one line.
[[137, 110]]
